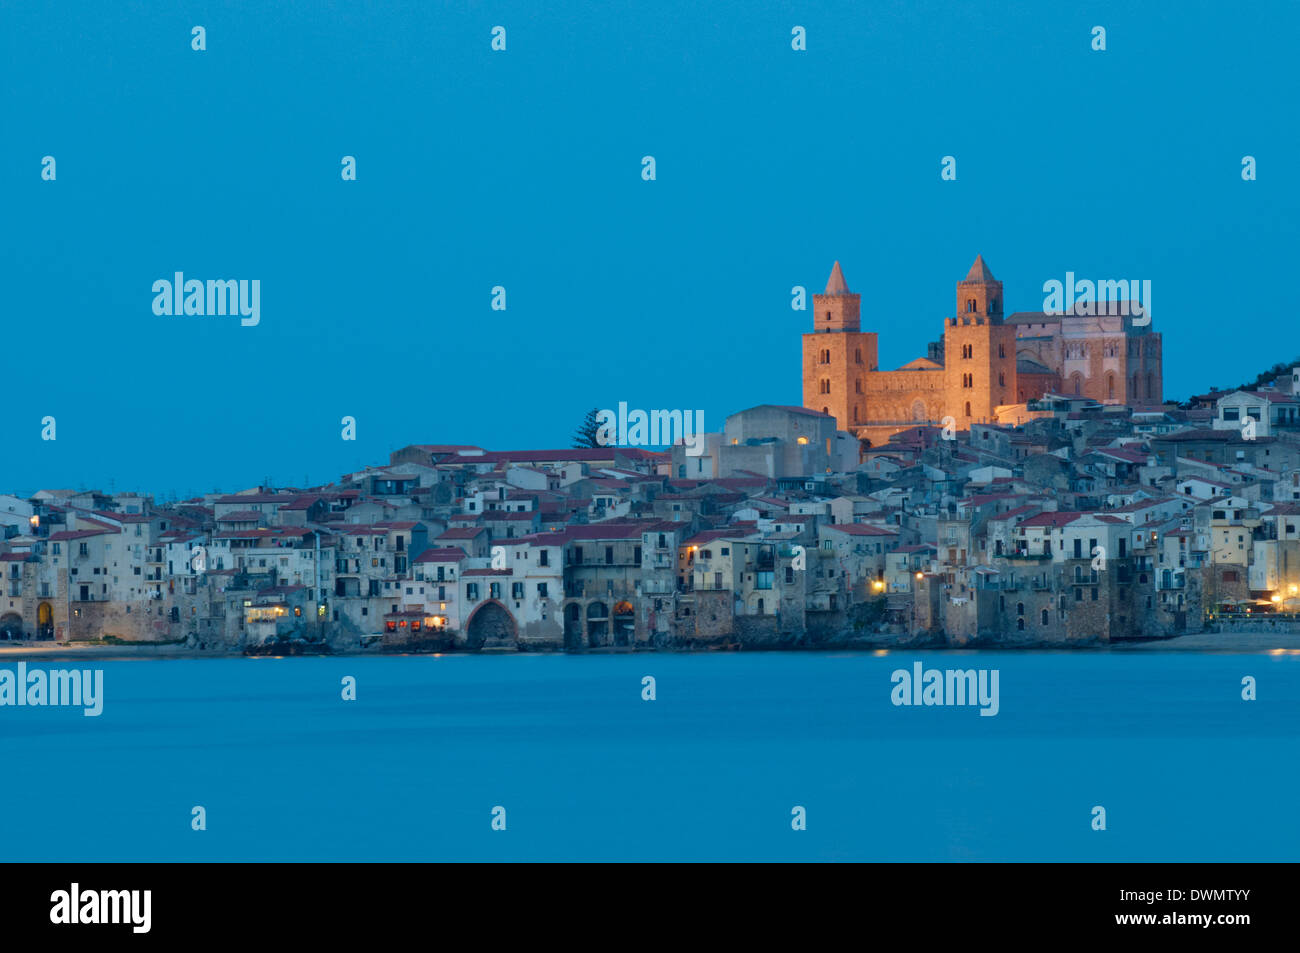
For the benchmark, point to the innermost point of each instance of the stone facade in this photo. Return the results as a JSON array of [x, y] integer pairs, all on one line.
[[984, 362]]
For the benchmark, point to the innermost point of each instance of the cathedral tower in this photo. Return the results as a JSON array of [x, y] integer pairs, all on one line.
[[836, 355], [979, 351]]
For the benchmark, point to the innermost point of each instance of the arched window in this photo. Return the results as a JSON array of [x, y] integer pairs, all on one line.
[[1020, 608], [1020, 624], [968, 408], [857, 355], [1044, 617]]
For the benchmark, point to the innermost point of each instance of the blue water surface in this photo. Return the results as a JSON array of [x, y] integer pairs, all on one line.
[[710, 770]]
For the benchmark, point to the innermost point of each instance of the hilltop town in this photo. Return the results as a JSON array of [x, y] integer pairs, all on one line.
[[1025, 484]]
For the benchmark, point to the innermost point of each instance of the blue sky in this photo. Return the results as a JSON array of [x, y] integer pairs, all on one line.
[[522, 169]]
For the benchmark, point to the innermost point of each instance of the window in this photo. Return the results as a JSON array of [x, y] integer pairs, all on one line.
[[471, 591], [516, 590], [541, 590], [494, 590]]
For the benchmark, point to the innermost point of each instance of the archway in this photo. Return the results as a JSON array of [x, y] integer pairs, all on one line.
[[490, 625], [44, 621], [624, 623], [597, 624], [573, 626], [11, 627]]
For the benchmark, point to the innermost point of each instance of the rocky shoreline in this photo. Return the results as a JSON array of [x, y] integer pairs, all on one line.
[[1240, 641]]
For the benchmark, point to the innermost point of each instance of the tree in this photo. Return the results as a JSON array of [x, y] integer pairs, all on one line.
[[586, 436]]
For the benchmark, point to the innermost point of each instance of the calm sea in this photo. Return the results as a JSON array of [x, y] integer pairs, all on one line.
[[711, 769]]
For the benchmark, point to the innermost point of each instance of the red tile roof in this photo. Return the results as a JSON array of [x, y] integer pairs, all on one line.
[[444, 554], [861, 529], [463, 532], [580, 455], [81, 533], [1052, 519]]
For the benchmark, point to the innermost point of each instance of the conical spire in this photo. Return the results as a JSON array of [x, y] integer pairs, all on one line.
[[836, 284], [979, 271]]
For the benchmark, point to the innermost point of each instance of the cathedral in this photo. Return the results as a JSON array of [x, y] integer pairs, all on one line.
[[984, 368]]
